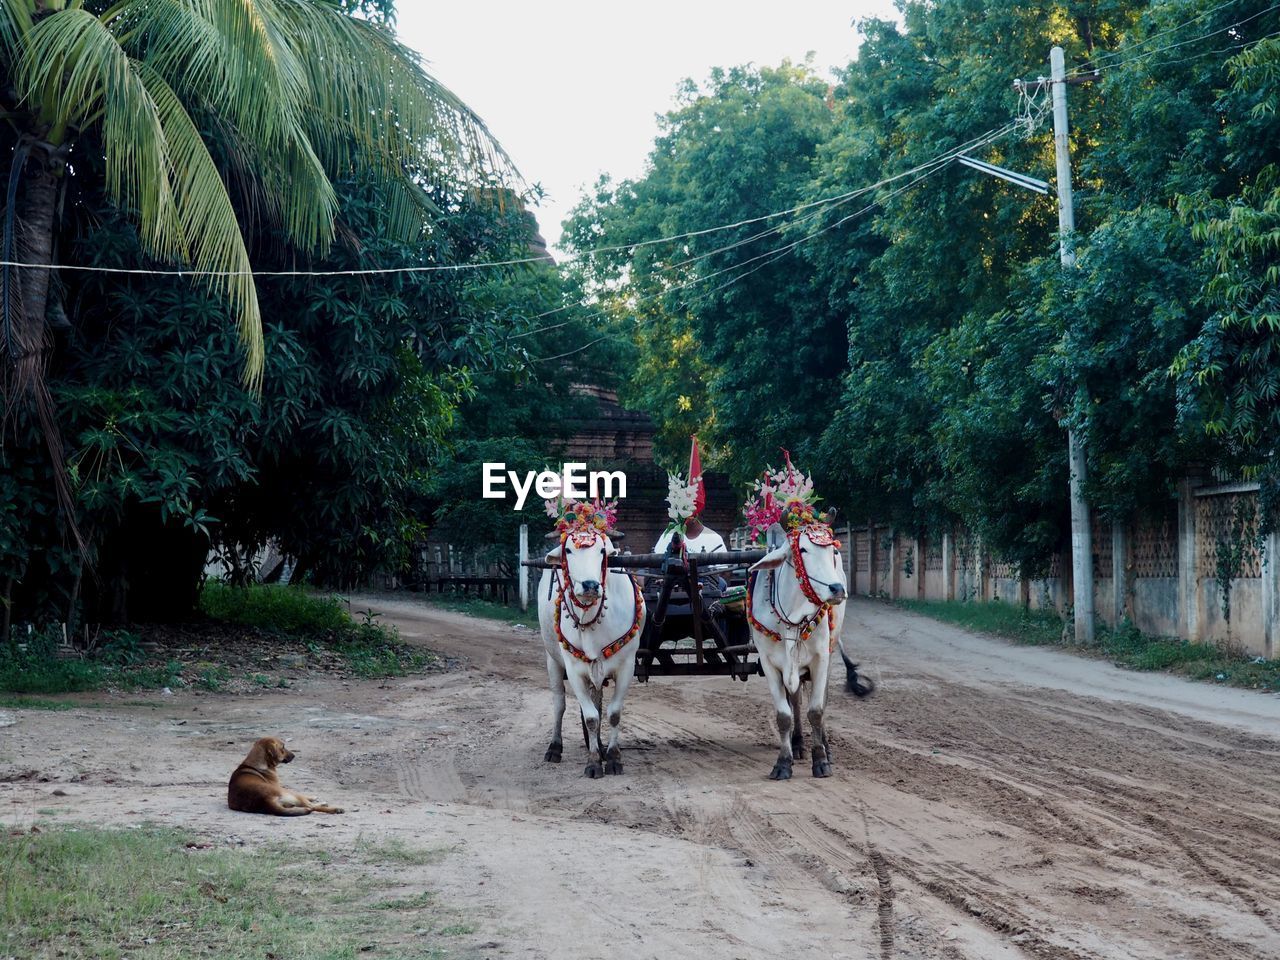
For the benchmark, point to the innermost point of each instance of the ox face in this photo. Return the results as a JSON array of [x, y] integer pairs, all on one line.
[[821, 563], [584, 557]]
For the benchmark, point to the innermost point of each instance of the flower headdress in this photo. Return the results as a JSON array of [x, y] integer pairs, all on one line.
[[574, 517], [786, 497]]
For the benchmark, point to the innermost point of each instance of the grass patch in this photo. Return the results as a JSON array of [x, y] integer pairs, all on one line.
[[419, 901], [34, 666], [1125, 647], [33, 703], [247, 629], [108, 894], [394, 850], [281, 609], [489, 609], [1001, 619], [370, 649]]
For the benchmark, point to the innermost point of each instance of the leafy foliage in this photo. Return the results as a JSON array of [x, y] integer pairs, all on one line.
[[921, 341]]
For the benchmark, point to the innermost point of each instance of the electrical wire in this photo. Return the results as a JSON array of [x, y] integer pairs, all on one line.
[[937, 165], [1100, 67], [1205, 53], [1182, 43], [929, 166], [456, 267], [1129, 48]]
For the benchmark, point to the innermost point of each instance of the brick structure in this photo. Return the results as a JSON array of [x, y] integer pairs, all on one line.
[[623, 440]]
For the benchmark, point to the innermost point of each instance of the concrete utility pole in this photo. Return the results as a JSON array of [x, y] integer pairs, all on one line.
[[1081, 524], [522, 572]]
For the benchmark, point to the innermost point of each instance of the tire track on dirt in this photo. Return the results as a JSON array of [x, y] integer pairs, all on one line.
[[1003, 818]]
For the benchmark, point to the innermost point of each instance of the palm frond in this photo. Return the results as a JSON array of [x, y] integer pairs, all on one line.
[[71, 69], [208, 220], [234, 58], [15, 21], [394, 105]]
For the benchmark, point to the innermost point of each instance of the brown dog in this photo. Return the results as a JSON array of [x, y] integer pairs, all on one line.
[[255, 787]]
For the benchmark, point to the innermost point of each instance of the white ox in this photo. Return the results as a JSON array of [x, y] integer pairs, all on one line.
[[795, 611], [591, 619]]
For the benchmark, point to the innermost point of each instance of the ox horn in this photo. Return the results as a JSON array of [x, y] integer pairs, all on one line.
[[553, 535], [615, 535]]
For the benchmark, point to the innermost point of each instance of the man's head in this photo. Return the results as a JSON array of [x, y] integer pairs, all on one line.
[[693, 527]]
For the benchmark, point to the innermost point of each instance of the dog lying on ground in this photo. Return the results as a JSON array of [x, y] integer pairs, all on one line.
[[255, 787]]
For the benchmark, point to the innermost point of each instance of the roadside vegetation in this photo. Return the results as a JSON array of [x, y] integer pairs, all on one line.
[[489, 609], [1126, 646], [163, 894], [254, 636]]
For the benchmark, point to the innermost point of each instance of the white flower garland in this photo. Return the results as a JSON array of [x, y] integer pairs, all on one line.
[[682, 498]]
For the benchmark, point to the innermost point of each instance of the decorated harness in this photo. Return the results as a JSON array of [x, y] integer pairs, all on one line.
[[821, 535], [582, 528], [785, 497]]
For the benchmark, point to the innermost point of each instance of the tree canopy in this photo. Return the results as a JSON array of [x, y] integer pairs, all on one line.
[[903, 325]]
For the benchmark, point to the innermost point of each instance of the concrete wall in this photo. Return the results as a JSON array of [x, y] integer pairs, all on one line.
[[1166, 568], [1245, 627], [1155, 606]]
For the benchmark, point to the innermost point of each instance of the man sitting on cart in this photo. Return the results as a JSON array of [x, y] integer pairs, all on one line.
[[698, 538], [687, 501]]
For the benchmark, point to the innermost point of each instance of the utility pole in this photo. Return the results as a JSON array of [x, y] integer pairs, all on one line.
[[1081, 523], [1081, 528]]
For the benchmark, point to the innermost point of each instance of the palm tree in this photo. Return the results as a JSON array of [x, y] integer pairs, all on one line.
[[297, 92]]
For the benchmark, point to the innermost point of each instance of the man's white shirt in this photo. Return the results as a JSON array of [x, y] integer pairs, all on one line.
[[708, 541]]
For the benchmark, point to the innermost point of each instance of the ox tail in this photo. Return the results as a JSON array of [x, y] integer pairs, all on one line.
[[791, 674], [859, 685]]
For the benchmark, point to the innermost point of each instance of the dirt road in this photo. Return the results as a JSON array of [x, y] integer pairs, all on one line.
[[989, 802]]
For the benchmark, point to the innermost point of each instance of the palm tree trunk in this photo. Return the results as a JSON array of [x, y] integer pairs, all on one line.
[[28, 344], [34, 210]]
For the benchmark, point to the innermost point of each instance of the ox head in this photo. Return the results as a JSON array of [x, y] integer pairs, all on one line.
[[583, 552], [814, 547]]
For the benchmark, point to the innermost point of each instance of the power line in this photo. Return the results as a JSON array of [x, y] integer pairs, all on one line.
[[1182, 43], [931, 166], [457, 267], [936, 166], [1155, 36], [1228, 49]]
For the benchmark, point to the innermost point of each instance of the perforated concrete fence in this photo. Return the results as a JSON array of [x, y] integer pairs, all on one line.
[[1198, 569]]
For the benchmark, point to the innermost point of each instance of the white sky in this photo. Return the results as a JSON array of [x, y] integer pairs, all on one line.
[[571, 88]]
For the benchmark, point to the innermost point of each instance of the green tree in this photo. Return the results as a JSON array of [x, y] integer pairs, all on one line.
[[293, 92], [300, 90], [723, 318], [1231, 370]]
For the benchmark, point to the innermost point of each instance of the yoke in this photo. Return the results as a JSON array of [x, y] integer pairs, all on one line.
[[696, 615]]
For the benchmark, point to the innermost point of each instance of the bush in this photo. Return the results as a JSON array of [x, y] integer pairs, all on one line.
[[281, 609], [370, 649], [31, 664]]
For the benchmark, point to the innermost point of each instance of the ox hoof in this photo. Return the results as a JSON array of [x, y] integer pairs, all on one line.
[[613, 766], [781, 770], [797, 751], [821, 768], [553, 753], [594, 771]]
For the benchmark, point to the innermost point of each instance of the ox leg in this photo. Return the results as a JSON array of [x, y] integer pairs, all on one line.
[[817, 717], [782, 769], [555, 672], [598, 694], [583, 690], [796, 700], [621, 681]]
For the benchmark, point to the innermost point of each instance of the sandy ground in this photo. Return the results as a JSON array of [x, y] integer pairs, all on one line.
[[989, 801]]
